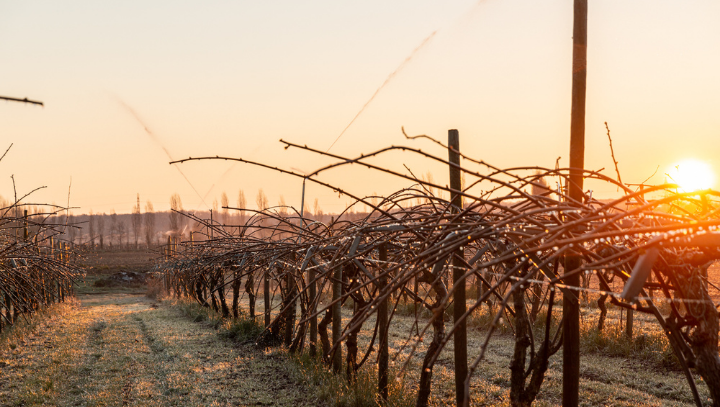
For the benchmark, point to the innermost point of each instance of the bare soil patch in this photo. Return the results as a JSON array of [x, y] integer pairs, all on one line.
[[115, 271]]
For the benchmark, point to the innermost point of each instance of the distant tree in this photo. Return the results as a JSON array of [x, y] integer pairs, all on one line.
[[374, 200], [114, 231], [136, 221], [224, 203], [317, 212], [281, 203], [71, 231], [241, 204], [262, 203], [261, 200], [539, 186], [216, 211], [122, 233], [91, 229], [175, 216], [101, 228], [431, 191], [149, 218]]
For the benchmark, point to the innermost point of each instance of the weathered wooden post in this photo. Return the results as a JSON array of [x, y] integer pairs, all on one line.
[[25, 226], [337, 319], [61, 287], [383, 351], [266, 296], [629, 323], [459, 305], [313, 308], [49, 282], [571, 305], [291, 299]]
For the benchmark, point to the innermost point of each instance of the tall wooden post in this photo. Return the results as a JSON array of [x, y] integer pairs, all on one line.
[[571, 305], [459, 305], [383, 351], [313, 308], [266, 296], [337, 319], [25, 227], [291, 292]]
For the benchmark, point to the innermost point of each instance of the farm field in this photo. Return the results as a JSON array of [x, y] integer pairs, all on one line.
[[119, 347], [604, 380], [371, 204], [115, 346]]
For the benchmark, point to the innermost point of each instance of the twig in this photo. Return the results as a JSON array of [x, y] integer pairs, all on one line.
[[612, 153]]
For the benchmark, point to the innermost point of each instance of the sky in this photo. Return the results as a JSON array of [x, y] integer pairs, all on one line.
[[128, 86]]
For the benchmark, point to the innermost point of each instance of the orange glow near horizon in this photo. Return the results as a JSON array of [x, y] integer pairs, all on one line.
[[692, 175]]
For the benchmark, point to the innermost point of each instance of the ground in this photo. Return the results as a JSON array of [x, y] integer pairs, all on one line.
[[119, 349], [116, 346], [124, 349]]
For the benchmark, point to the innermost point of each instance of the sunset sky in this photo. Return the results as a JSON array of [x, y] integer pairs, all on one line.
[[233, 77]]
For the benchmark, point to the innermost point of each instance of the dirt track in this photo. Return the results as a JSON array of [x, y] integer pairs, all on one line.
[[120, 350]]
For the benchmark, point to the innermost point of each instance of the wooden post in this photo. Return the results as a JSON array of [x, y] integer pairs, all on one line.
[[337, 319], [629, 324], [459, 305], [25, 227], [383, 351], [571, 306], [313, 308], [266, 296], [291, 298]]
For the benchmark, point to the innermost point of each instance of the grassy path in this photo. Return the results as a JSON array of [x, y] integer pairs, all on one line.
[[126, 350]]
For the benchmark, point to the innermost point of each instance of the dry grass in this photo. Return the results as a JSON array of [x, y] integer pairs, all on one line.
[[127, 350], [120, 350], [614, 370]]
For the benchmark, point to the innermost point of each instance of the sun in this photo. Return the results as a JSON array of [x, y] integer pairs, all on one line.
[[692, 175]]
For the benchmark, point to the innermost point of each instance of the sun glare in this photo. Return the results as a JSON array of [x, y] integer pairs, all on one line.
[[692, 175]]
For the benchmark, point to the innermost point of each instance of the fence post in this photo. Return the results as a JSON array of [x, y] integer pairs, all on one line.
[[383, 352], [291, 299], [313, 307], [25, 227], [266, 296], [629, 324], [337, 319], [571, 305], [459, 305]]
